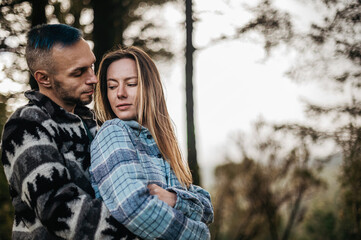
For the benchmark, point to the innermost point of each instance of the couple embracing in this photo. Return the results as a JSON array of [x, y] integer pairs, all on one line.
[[126, 180]]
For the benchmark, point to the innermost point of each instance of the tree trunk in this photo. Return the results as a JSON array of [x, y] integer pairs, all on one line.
[[191, 138], [37, 17], [293, 214], [272, 221], [108, 26]]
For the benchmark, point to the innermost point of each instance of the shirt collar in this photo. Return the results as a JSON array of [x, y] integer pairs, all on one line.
[[135, 125]]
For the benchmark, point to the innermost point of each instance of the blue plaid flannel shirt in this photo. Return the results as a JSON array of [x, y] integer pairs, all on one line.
[[124, 160]]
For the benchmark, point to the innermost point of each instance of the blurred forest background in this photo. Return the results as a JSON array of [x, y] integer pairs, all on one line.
[[298, 181]]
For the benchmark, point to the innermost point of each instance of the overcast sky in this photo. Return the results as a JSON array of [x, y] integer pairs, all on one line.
[[233, 86]]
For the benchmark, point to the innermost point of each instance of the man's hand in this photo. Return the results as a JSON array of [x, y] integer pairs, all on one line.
[[169, 198]]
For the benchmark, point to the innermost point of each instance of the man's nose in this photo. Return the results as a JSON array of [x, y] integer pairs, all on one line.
[[91, 78]]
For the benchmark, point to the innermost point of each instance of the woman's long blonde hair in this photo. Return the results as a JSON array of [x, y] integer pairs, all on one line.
[[151, 106]]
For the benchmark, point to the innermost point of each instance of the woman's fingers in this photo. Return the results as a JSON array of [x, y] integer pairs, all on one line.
[[169, 198]]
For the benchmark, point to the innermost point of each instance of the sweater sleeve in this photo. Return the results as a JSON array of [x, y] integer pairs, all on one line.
[[195, 203], [122, 184], [43, 190]]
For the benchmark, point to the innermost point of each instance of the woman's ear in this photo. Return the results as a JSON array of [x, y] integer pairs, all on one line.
[[42, 77]]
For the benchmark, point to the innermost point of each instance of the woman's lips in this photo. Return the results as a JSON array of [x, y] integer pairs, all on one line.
[[123, 106]]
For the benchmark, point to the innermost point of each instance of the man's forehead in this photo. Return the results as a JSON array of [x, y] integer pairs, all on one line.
[[77, 52]]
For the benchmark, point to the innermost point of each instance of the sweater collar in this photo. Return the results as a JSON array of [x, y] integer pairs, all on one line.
[[53, 109]]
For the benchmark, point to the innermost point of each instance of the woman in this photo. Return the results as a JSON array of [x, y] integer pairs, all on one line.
[[136, 167]]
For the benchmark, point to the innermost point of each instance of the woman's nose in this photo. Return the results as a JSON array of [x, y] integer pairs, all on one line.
[[121, 93]]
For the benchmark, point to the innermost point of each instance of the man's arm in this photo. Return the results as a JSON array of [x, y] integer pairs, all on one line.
[[40, 178]]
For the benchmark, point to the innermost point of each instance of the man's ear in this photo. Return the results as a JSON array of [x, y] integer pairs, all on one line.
[[42, 77]]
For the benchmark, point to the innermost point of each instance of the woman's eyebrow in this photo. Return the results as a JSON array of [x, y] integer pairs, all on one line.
[[111, 79], [130, 78], [125, 79]]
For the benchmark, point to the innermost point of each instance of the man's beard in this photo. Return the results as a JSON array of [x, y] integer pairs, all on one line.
[[66, 97], [77, 101]]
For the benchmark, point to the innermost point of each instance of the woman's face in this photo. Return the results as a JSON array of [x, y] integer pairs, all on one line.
[[122, 84]]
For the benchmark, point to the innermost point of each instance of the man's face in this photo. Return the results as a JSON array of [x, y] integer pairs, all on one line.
[[72, 78]]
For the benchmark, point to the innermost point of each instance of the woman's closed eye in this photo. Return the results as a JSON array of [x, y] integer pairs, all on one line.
[[111, 87]]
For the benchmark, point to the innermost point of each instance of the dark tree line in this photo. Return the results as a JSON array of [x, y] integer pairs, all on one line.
[[328, 53], [260, 196]]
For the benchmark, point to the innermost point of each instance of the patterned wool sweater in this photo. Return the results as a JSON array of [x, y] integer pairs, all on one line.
[[45, 153]]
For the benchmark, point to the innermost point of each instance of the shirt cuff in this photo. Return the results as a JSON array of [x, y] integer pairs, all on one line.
[[186, 203]]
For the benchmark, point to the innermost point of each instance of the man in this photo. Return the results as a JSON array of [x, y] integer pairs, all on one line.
[[46, 144]]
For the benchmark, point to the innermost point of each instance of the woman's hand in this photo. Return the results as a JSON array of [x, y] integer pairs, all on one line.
[[169, 198]]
